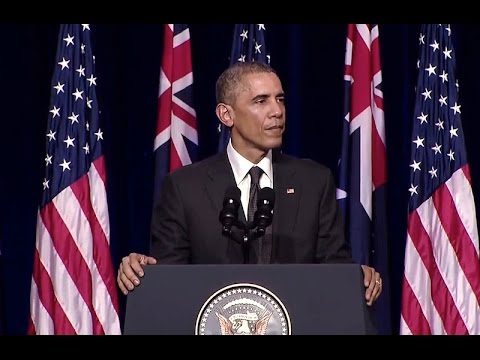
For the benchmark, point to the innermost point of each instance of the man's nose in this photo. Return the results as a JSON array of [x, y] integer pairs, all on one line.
[[277, 110]]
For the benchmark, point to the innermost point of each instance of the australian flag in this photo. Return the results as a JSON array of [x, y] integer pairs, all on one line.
[[248, 45], [176, 140], [361, 189]]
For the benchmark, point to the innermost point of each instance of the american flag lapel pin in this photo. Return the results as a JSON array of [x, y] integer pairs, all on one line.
[[290, 191]]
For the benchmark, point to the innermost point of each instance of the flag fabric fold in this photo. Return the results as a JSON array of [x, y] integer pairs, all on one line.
[[362, 173], [73, 288], [248, 45], [441, 283], [176, 139]]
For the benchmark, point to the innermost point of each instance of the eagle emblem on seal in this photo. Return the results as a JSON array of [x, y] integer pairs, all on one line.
[[244, 323], [243, 309]]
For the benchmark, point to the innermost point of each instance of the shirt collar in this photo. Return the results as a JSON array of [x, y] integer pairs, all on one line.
[[241, 166]]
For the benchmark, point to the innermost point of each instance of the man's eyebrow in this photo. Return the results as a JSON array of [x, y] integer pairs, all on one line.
[[260, 96], [265, 96]]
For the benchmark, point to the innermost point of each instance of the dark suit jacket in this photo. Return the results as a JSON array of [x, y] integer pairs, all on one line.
[[307, 225]]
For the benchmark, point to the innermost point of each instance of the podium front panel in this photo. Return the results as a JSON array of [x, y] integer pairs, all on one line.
[[318, 298]]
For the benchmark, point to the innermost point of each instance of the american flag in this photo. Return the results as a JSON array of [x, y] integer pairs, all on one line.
[[248, 45], [176, 140], [441, 284], [73, 289], [361, 191]]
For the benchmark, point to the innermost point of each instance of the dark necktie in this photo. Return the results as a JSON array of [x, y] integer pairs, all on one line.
[[255, 173], [262, 248]]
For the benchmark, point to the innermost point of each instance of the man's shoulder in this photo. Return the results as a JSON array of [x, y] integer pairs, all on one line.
[[304, 164], [197, 168]]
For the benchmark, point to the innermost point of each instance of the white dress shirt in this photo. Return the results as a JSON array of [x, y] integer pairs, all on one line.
[[242, 166]]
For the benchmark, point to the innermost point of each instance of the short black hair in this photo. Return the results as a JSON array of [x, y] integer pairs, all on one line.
[[230, 82]]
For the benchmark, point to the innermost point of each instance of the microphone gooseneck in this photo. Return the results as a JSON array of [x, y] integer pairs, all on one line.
[[246, 232], [264, 215], [229, 214]]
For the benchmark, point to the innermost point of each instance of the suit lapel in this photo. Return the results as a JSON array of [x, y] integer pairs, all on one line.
[[287, 195], [220, 178], [287, 190]]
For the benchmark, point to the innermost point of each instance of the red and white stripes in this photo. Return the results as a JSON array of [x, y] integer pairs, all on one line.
[[441, 285], [73, 288]]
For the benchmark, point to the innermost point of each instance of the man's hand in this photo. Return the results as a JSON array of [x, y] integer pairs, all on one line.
[[373, 283], [130, 269]]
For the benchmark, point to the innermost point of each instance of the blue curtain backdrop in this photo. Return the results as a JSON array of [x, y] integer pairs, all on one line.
[[310, 61]]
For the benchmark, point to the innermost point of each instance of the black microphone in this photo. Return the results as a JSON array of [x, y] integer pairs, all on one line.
[[229, 214], [264, 215]]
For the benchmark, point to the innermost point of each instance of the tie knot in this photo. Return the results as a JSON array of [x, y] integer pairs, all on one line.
[[255, 173]]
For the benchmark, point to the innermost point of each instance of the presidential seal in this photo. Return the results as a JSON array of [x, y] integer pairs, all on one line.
[[243, 309]]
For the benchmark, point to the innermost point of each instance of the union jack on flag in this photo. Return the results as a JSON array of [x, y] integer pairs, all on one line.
[[441, 283], [361, 191], [73, 288], [248, 45], [176, 140]]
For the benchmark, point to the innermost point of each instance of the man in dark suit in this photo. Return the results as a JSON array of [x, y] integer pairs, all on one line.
[[307, 226]]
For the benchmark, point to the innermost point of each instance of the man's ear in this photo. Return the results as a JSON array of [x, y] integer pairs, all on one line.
[[225, 114]]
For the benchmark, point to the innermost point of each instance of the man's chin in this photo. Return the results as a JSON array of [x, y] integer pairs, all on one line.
[[271, 143], [276, 144], [274, 148]]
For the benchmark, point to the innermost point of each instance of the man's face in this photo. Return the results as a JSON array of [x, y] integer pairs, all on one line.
[[259, 114]]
